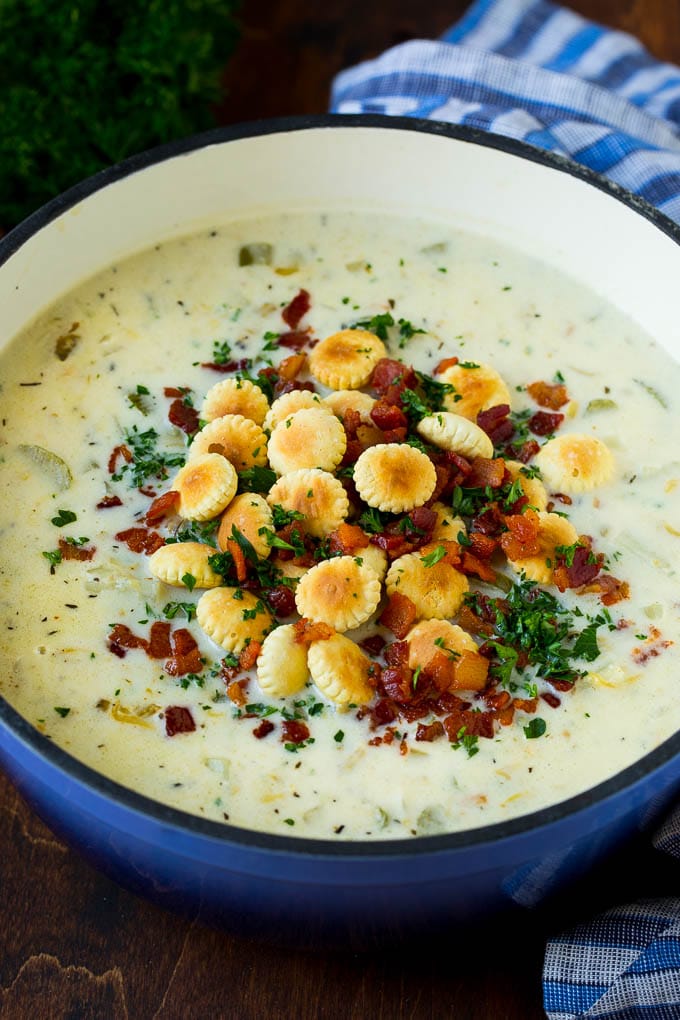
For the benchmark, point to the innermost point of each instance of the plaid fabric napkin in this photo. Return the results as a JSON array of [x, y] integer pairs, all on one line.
[[531, 70]]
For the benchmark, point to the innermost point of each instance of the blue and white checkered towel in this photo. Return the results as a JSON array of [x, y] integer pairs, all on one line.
[[533, 71], [528, 69]]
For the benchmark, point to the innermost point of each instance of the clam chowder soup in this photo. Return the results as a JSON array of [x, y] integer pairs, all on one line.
[[341, 526]]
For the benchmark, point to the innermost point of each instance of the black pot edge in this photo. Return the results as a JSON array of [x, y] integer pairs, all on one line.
[[288, 845]]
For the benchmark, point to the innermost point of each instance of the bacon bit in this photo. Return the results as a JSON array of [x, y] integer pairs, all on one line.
[[186, 657], [163, 506], [653, 647], [497, 702], [470, 622], [121, 638], [183, 416], [264, 729], [395, 435], [241, 365], [584, 568], [550, 699], [290, 367], [528, 705], [119, 451], [348, 539], [430, 732], [281, 600], [487, 471], [373, 644], [553, 396], [297, 309], [140, 540], [609, 588], [239, 558], [399, 615], [249, 655], [109, 501], [471, 564], [474, 724], [306, 631], [560, 685], [176, 391], [403, 746], [236, 692], [481, 545], [543, 424], [178, 720], [526, 451], [390, 378], [521, 539], [496, 422], [294, 731], [397, 682], [295, 340], [506, 716], [563, 498], [396, 654], [388, 416], [158, 646], [76, 552], [446, 363]]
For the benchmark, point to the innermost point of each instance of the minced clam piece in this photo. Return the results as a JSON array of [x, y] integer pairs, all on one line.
[[430, 616]]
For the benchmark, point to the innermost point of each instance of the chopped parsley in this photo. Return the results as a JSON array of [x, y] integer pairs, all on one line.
[[64, 517]]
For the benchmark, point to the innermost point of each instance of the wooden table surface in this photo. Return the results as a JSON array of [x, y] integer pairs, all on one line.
[[72, 944]]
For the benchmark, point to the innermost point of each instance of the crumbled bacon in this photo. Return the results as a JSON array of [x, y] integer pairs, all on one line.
[[295, 340], [241, 365], [69, 551], [236, 692], [178, 720], [497, 424], [544, 423], [430, 732], [306, 631], [550, 395], [294, 731], [281, 600], [163, 506], [468, 723], [186, 656], [399, 614], [249, 655], [119, 451], [610, 589], [348, 540], [373, 644], [158, 646], [296, 309], [521, 540], [390, 378], [487, 471], [183, 416], [263, 729], [388, 416], [140, 540], [109, 501], [444, 364]]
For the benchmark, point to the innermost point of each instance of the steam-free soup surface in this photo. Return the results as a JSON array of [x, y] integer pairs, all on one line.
[[95, 367]]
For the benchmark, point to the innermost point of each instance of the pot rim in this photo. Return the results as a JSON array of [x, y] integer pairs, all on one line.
[[222, 832]]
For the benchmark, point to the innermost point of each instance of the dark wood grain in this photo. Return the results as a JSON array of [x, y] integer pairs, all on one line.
[[72, 944]]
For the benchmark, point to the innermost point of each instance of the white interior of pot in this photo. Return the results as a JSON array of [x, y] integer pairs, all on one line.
[[552, 215]]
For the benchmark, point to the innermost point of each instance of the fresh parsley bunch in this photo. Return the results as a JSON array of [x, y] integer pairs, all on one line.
[[85, 83]]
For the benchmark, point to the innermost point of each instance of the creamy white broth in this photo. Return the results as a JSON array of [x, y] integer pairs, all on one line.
[[151, 321]]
